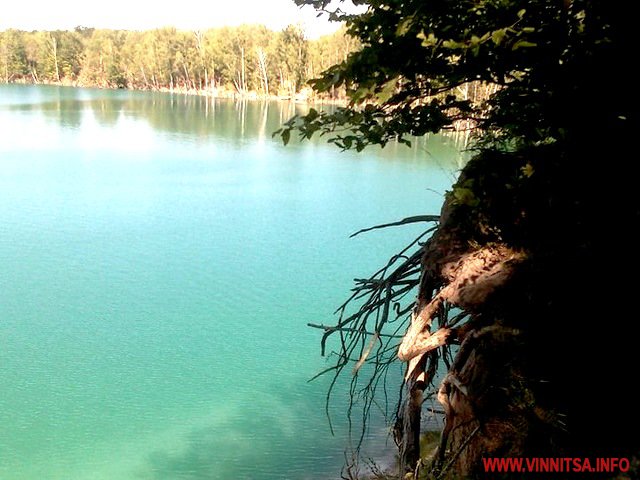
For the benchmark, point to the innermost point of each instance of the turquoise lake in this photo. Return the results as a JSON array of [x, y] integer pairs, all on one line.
[[161, 256]]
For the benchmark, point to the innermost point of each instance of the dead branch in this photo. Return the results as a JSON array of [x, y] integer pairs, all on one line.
[[404, 221], [330, 329]]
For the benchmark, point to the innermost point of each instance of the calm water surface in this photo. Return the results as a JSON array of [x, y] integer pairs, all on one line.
[[160, 259]]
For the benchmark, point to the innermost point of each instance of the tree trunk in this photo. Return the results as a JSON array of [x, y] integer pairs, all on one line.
[[54, 52], [243, 79], [409, 424], [186, 72], [144, 76], [262, 65]]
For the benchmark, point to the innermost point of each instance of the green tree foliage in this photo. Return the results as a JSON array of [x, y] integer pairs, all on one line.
[[416, 54], [103, 59], [71, 53], [248, 58], [59, 54], [330, 50], [291, 55], [13, 60]]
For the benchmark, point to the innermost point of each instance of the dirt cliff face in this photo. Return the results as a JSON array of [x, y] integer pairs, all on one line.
[[519, 251]]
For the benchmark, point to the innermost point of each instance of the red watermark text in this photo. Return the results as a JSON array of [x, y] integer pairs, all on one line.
[[555, 465]]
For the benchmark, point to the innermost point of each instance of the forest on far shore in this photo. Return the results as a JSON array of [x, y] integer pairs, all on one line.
[[248, 60]]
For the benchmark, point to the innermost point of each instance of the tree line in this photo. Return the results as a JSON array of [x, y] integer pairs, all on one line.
[[243, 60]]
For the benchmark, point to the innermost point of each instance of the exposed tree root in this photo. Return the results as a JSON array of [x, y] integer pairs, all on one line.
[[501, 296]]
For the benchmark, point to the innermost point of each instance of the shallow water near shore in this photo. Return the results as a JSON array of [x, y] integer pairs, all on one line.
[[161, 256]]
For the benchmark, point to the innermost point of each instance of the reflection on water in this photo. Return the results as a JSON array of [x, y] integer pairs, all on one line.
[[187, 114], [204, 118]]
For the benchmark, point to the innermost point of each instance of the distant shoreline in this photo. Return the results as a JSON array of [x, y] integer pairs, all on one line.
[[306, 96]]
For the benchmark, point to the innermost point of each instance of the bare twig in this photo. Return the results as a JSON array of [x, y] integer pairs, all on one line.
[[331, 329], [404, 221]]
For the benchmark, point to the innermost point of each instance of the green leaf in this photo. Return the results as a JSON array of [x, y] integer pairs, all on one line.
[[451, 44], [521, 13], [404, 26], [498, 35], [527, 170], [286, 136], [464, 196], [523, 44], [388, 89], [360, 94], [429, 41]]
